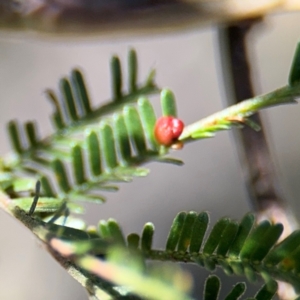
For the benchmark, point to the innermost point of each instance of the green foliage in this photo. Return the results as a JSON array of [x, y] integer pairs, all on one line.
[[252, 252], [101, 148], [107, 144], [213, 286], [240, 248], [93, 148], [294, 76]]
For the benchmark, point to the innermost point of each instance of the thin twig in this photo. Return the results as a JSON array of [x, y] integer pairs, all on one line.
[[238, 114], [94, 286]]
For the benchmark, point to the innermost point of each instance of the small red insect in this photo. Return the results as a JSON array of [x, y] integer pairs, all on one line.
[[167, 130]]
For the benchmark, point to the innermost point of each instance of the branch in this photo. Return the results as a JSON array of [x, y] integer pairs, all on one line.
[[263, 185]]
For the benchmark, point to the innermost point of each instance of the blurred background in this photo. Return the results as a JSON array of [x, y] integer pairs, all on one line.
[[211, 178]]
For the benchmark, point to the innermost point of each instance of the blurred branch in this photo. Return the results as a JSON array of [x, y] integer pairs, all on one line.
[[262, 183], [104, 17]]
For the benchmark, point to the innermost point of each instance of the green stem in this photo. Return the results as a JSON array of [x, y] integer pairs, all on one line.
[[239, 112], [94, 285]]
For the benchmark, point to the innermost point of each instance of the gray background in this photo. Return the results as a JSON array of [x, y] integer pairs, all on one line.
[[188, 63]]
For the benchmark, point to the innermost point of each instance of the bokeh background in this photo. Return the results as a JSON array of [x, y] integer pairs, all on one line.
[[211, 179]]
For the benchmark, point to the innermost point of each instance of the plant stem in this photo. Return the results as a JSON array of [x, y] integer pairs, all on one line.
[[93, 285], [262, 183]]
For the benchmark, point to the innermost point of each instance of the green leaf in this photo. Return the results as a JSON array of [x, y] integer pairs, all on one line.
[[212, 288], [271, 237], [147, 237], [215, 235], [148, 119], [94, 198], [127, 173], [132, 70], [103, 229], [186, 232], [78, 166], [150, 78], [69, 99], [283, 249], [227, 238], [255, 238], [236, 292], [198, 232], [175, 231], [61, 175], [135, 129], [133, 241], [57, 117], [15, 136], [115, 231], [168, 103], [94, 153], [267, 292], [44, 204], [242, 234], [81, 91], [294, 76], [31, 132], [108, 146], [116, 79], [46, 187], [122, 139], [169, 160]]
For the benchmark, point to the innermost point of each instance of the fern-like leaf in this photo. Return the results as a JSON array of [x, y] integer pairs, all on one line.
[[73, 111], [92, 148], [242, 256], [127, 269], [86, 156], [213, 287], [101, 155], [110, 154], [240, 248]]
